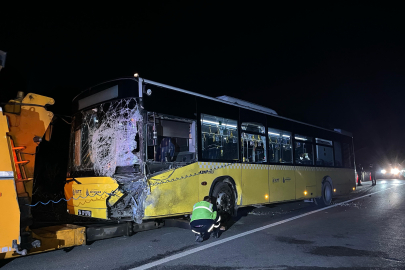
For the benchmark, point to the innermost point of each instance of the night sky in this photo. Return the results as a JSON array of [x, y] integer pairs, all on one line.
[[336, 65]]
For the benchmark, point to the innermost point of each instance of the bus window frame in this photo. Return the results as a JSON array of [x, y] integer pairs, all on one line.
[[351, 155], [199, 137], [284, 125], [313, 151], [333, 154], [268, 149], [262, 121], [166, 117]]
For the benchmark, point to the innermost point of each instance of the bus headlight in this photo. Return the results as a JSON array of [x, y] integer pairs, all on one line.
[[383, 171]]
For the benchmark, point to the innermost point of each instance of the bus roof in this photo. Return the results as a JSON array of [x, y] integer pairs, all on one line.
[[247, 104], [260, 109]]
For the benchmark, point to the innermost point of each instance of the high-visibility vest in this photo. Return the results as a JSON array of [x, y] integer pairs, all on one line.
[[203, 210]]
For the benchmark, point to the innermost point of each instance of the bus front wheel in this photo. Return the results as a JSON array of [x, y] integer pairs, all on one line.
[[326, 198], [223, 199]]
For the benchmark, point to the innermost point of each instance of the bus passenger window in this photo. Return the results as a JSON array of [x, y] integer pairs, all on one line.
[[253, 127], [303, 150], [174, 143], [347, 161], [280, 148], [219, 138], [324, 153], [253, 143], [338, 154], [254, 148]]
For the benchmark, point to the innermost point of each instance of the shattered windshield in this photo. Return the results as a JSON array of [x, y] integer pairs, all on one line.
[[106, 138]]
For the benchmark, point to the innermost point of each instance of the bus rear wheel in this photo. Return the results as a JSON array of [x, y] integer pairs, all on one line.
[[326, 198], [223, 199]]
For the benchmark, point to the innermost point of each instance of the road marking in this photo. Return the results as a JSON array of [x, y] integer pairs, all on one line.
[[216, 243]]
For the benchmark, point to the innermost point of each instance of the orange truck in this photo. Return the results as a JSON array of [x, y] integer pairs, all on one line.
[[24, 123]]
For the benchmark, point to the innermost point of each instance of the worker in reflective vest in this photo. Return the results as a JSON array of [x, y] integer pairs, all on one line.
[[204, 219]]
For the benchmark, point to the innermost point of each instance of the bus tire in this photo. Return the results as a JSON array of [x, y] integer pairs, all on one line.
[[327, 193], [223, 198]]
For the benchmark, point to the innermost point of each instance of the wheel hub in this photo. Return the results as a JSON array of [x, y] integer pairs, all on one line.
[[223, 202]]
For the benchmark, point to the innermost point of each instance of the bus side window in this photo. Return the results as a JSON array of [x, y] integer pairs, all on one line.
[[303, 148], [324, 153], [254, 142], [219, 138], [174, 142], [338, 154], [280, 148], [347, 161]]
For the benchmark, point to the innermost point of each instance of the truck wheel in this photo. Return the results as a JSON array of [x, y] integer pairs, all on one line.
[[224, 201], [326, 197]]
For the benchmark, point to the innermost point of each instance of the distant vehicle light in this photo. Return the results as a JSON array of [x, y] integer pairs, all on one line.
[[354, 188], [305, 193], [383, 171], [394, 171]]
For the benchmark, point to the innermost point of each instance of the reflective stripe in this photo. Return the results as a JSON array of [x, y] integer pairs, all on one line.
[[203, 207], [212, 227], [195, 231], [6, 174]]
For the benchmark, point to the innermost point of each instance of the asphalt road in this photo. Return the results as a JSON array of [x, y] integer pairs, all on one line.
[[364, 230]]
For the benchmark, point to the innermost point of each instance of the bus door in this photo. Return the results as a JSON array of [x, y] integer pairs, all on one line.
[[281, 174], [255, 187], [305, 171], [281, 183]]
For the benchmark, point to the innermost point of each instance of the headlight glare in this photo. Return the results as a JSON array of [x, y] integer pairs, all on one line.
[[394, 171]]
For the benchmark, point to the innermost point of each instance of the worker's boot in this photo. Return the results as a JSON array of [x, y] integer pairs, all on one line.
[[199, 237], [215, 234]]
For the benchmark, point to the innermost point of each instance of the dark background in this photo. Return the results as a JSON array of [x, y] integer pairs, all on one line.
[[335, 65]]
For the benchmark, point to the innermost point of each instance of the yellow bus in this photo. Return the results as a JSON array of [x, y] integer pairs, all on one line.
[[142, 150]]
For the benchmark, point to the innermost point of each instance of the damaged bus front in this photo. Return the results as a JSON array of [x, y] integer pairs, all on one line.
[[124, 146], [106, 178]]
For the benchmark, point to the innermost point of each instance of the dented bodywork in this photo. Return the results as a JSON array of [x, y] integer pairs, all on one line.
[[114, 158], [105, 142]]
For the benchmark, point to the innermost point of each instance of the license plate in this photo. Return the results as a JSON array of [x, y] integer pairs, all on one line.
[[85, 213]]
